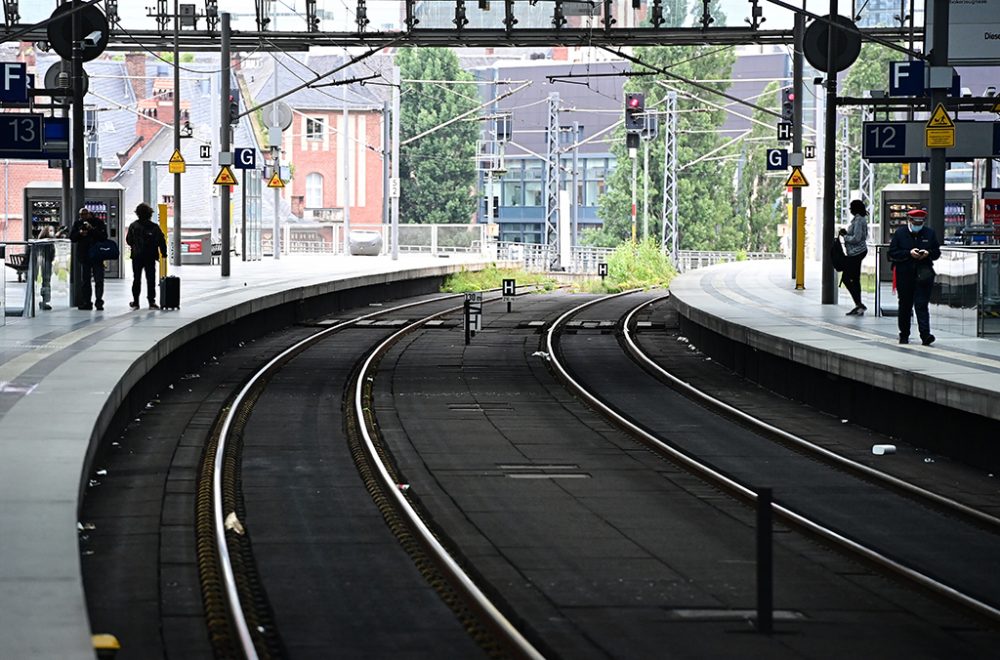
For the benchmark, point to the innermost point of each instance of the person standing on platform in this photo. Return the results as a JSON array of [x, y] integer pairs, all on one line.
[[856, 249], [912, 250], [86, 231], [148, 243]]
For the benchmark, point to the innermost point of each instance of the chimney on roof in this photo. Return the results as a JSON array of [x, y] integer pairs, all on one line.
[[26, 54], [135, 69]]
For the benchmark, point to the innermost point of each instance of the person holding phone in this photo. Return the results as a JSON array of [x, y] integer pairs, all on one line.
[[913, 249], [87, 230]]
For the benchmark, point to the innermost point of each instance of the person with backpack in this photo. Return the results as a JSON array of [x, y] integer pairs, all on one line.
[[148, 243]]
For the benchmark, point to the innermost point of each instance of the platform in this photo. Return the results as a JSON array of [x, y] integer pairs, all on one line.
[[63, 376], [778, 334]]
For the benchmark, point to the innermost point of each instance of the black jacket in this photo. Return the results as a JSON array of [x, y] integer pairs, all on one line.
[[86, 237], [903, 240], [146, 240]]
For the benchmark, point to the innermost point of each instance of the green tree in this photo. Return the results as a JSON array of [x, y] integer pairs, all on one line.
[[704, 189], [871, 71], [437, 172], [760, 194]]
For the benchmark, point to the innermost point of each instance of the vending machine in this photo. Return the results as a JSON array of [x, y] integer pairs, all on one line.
[[901, 198], [43, 207]]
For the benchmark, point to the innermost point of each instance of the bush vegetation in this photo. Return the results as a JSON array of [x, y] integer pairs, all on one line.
[[492, 277], [634, 266]]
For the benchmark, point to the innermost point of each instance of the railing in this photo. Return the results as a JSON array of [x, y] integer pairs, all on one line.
[[46, 275], [965, 297], [691, 259]]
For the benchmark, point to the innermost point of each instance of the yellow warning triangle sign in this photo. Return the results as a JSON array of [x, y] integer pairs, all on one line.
[[177, 157], [225, 177], [940, 118], [996, 107], [796, 179], [275, 181]]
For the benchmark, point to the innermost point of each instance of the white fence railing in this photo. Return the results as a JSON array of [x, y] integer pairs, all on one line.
[[691, 259]]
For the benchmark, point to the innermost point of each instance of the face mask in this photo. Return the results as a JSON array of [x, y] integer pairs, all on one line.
[[915, 228]]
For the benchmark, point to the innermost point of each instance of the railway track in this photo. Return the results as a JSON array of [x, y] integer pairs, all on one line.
[[238, 611], [485, 470], [946, 547]]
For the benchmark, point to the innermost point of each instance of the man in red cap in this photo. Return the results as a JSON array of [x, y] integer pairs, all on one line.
[[911, 252]]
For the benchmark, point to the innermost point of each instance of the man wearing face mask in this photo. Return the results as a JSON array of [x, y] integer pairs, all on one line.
[[911, 252]]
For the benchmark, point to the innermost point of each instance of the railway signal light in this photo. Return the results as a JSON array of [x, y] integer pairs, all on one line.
[[787, 104], [635, 107], [234, 110]]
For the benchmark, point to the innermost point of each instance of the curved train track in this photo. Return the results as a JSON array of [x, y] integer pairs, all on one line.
[[944, 546], [466, 544]]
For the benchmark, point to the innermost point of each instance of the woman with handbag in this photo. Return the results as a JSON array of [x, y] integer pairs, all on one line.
[[912, 250], [856, 248]]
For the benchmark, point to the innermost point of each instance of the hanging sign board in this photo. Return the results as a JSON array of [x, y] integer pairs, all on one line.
[[973, 31]]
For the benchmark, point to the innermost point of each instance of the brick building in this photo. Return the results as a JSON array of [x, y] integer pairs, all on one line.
[[314, 145]]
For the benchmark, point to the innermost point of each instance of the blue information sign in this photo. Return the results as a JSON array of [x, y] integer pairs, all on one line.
[[13, 82], [884, 141], [245, 158], [906, 78], [777, 159], [21, 132], [34, 137]]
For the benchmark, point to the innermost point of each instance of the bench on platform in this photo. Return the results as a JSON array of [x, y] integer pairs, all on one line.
[[19, 262]]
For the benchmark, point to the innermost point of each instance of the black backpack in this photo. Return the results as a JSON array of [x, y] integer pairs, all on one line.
[[838, 258], [144, 240]]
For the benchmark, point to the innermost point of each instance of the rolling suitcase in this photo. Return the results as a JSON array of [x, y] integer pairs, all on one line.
[[170, 292]]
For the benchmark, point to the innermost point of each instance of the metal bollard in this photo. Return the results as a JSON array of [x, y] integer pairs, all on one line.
[[765, 573]]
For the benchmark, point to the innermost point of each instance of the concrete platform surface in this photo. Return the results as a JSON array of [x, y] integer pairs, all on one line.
[[64, 373], [755, 303]]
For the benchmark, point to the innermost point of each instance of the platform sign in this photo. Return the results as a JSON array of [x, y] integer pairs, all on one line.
[[810, 150], [205, 151], [905, 141], [602, 269], [13, 82], [906, 78], [784, 131], [884, 142], [245, 158], [777, 159], [21, 132]]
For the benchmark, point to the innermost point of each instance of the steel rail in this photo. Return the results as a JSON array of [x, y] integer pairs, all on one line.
[[459, 577], [716, 477], [229, 579], [798, 441]]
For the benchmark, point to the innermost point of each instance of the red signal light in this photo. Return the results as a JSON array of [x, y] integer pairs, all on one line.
[[791, 96], [633, 101]]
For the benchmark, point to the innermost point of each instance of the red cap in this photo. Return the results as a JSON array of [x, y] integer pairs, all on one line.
[[917, 213]]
